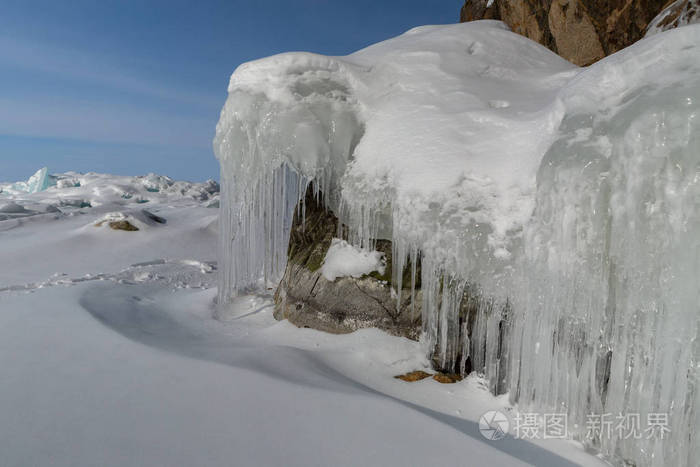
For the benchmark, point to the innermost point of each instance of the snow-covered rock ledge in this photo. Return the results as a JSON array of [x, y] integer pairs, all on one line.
[[566, 198]]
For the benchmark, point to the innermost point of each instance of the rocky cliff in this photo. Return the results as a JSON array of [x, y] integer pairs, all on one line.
[[582, 31]]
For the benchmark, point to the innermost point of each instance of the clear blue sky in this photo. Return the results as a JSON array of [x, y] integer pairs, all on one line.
[[131, 87]]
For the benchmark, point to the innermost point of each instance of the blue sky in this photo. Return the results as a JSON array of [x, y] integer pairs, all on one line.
[[131, 87]]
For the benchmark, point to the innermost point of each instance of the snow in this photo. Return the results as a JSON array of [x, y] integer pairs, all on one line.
[[563, 199], [343, 259], [110, 355], [90, 199]]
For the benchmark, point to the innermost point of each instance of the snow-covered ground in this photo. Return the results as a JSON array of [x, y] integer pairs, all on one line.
[[110, 355]]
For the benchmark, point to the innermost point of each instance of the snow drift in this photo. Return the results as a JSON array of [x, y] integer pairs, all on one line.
[[566, 200]]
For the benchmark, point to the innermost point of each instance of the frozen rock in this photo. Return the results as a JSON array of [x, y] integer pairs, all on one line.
[[571, 215]]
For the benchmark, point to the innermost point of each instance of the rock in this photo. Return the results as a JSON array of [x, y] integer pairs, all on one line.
[[677, 13], [447, 378], [528, 18], [478, 9], [413, 376], [581, 31], [574, 34], [307, 299], [123, 225]]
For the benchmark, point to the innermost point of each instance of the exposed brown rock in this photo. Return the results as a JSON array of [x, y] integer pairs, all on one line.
[[574, 34], [307, 299], [478, 9], [413, 376], [527, 18], [581, 31], [123, 225], [447, 378]]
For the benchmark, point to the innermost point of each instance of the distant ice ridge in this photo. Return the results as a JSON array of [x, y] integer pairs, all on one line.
[[40, 181], [566, 201], [68, 192]]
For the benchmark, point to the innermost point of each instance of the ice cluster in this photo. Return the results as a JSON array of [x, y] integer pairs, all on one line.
[[40, 181], [561, 203], [70, 192]]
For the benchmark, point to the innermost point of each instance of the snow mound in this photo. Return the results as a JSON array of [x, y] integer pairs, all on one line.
[[343, 259], [563, 199]]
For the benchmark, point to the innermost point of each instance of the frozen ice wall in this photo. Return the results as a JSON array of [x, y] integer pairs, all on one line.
[[606, 303], [561, 205], [400, 137], [276, 134]]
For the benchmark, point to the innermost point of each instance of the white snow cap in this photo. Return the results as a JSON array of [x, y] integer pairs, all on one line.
[[343, 259]]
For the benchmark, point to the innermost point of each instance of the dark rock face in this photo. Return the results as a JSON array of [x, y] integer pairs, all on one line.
[[581, 31], [345, 305], [473, 10], [307, 299]]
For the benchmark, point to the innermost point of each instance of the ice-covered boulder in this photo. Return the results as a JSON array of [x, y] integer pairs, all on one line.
[[564, 199], [307, 298], [403, 138]]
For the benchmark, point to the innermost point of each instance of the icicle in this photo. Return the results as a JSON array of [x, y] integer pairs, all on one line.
[[594, 305]]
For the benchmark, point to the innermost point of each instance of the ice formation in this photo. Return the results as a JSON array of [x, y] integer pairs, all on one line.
[[563, 203], [40, 181]]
